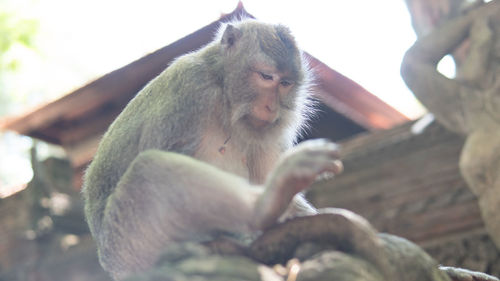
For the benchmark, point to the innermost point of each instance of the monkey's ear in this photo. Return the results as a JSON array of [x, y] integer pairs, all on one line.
[[230, 36]]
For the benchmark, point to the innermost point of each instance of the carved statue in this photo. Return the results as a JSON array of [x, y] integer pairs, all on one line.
[[468, 104], [338, 245]]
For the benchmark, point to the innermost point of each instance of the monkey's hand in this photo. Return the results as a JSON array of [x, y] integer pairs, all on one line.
[[295, 172]]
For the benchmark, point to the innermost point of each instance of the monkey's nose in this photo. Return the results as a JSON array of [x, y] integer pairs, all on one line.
[[270, 113]]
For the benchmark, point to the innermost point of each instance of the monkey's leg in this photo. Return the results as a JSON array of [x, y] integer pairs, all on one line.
[[166, 197]]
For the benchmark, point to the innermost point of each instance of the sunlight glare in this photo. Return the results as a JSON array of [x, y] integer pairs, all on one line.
[[447, 67]]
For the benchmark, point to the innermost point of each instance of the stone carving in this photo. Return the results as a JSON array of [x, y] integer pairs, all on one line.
[[337, 245], [468, 104]]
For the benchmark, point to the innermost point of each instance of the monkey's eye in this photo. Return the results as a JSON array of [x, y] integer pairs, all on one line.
[[285, 83], [266, 76]]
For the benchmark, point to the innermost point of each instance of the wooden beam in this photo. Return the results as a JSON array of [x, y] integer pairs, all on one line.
[[404, 183]]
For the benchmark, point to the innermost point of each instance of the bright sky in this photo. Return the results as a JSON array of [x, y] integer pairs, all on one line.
[[82, 40]]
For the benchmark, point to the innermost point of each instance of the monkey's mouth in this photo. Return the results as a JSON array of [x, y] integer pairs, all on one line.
[[259, 124]]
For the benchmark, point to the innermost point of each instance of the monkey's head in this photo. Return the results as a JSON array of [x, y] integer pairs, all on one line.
[[265, 79]]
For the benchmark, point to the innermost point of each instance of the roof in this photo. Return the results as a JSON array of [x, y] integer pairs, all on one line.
[[90, 109]]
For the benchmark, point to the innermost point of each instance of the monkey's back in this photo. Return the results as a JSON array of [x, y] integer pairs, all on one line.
[[165, 115]]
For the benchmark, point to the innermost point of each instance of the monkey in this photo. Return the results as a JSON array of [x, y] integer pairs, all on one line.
[[206, 148]]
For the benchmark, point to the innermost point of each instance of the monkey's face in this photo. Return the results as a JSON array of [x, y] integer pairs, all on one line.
[[265, 80], [271, 89]]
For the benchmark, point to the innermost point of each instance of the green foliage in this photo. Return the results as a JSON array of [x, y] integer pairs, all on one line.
[[14, 30]]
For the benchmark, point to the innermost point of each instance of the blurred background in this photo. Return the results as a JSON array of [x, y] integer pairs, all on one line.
[[51, 47]]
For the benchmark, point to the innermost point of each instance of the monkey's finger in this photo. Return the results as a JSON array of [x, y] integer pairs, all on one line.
[[324, 177], [331, 166], [316, 144], [336, 167], [331, 154], [332, 150]]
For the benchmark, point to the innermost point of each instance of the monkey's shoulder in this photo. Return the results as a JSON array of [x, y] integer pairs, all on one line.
[[185, 77]]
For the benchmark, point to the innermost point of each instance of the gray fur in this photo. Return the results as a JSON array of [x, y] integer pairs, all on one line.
[[145, 188]]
